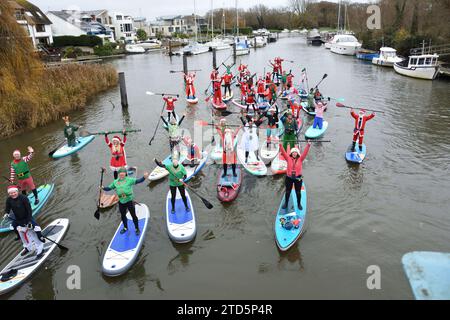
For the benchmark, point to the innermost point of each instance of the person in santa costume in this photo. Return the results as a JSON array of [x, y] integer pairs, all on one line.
[[20, 171], [360, 123], [22, 221], [217, 86], [242, 69], [261, 88], [189, 82], [276, 73], [170, 106], [227, 78], [118, 154], [295, 107], [251, 99], [193, 151], [228, 138], [244, 91], [250, 137]]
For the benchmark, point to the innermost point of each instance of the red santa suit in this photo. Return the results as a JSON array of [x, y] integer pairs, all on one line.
[[193, 150], [360, 124], [228, 143], [217, 84], [170, 103], [190, 89], [118, 154]]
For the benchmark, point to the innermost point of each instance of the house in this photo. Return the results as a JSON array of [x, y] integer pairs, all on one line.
[[141, 23], [77, 23], [34, 21], [192, 20], [167, 26], [122, 26]]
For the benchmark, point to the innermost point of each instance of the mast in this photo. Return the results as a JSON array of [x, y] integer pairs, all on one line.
[[345, 18], [195, 23], [212, 19], [237, 19], [339, 17], [223, 21]]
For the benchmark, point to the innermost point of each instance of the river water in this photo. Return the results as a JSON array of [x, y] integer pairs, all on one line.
[[395, 202]]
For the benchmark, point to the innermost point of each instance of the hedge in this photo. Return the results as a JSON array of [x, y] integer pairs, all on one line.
[[83, 40]]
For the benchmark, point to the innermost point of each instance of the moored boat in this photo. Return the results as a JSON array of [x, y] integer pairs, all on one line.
[[424, 66], [387, 57]]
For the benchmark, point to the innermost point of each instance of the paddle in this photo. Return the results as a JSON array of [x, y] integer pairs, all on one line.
[[6, 179], [337, 99], [323, 78], [314, 141], [60, 246], [97, 212], [340, 105], [204, 124], [157, 125], [205, 202], [195, 70], [50, 154], [85, 133], [161, 94]]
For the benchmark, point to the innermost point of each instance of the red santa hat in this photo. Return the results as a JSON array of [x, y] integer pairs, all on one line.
[[13, 189], [116, 138]]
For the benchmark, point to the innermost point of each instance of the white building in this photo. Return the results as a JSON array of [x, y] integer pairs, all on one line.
[[77, 23], [34, 21], [167, 26], [122, 26]]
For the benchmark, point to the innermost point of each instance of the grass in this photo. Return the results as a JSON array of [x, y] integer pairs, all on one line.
[[31, 96]]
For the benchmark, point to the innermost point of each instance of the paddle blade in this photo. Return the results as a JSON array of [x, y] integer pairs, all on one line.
[[150, 93], [202, 123], [50, 154], [340, 105], [207, 204], [324, 76], [97, 214]]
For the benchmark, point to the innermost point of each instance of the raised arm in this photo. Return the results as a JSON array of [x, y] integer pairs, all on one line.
[[283, 152], [305, 151]]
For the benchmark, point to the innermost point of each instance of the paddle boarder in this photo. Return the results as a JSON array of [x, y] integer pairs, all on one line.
[[242, 72], [123, 186], [360, 123], [177, 173], [118, 155], [272, 123], [174, 133], [217, 86], [294, 175], [227, 78], [20, 171], [193, 155], [23, 223], [319, 110], [170, 106], [244, 91], [310, 100], [228, 138], [290, 129], [189, 83], [250, 140], [69, 132]]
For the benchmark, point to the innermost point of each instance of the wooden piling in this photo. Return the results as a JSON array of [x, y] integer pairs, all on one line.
[[254, 43], [234, 52], [214, 58], [185, 64], [123, 90]]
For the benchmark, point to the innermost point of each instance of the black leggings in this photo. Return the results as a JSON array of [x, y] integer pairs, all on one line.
[[173, 193], [297, 182], [225, 167], [168, 115], [248, 152], [123, 208], [35, 193], [227, 87]]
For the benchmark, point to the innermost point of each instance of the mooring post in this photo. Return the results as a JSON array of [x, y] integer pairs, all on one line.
[[254, 43], [214, 58], [234, 52], [170, 48], [185, 64], [123, 90]]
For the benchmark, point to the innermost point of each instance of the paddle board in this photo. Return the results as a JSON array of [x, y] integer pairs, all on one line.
[[269, 153], [124, 249], [228, 97], [220, 106], [21, 268], [253, 166], [312, 133], [181, 225], [357, 156], [428, 274], [65, 150], [279, 165], [192, 100], [159, 173], [192, 170], [229, 186], [305, 105], [290, 222], [44, 193]]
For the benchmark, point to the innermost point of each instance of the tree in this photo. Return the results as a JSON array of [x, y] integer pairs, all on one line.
[[141, 35]]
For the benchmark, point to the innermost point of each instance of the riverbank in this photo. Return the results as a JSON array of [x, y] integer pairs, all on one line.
[[57, 92]]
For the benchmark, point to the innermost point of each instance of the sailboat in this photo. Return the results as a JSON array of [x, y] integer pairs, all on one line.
[[217, 43], [344, 42], [194, 48], [242, 45]]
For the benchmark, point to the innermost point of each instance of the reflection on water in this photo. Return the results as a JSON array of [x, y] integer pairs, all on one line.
[[357, 215]]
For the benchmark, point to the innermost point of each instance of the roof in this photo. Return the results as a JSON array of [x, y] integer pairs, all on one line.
[[69, 17], [172, 17], [37, 16], [94, 12]]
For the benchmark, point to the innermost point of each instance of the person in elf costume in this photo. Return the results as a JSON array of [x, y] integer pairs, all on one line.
[[69, 132], [20, 171], [123, 186], [118, 154]]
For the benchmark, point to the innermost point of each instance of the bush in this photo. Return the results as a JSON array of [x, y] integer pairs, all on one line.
[[72, 53], [107, 49], [83, 40]]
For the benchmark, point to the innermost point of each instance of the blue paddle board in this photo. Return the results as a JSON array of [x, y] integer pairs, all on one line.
[[428, 274], [312, 133], [290, 222], [181, 224], [124, 248], [66, 150], [357, 156], [44, 193]]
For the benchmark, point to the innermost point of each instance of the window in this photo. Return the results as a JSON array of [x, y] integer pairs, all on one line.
[[413, 61], [128, 27], [428, 61], [421, 61], [99, 20], [170, 29], [29, 14], [118, 17], [40, 28]]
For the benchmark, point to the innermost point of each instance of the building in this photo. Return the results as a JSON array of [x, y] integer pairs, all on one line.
[[167, 26], [34, 21], [202, 24], [77, 23], [122, 26], [141, 23]]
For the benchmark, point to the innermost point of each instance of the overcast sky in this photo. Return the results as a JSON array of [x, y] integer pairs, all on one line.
[[153, 8]]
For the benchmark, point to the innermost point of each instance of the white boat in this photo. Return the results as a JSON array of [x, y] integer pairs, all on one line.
[[424, 66], [194, 48], [345, 44], [259, 41], [150, 44], [218, 44], [261, 32], [388, 57], [134, 49], [242, 46]]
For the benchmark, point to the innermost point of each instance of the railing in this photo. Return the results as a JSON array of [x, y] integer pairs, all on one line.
[[442, 50]]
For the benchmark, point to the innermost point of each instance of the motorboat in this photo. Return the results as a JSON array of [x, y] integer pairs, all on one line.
[[424, 66], [242, 46], [194, 48], [258, 42], [345, 44], [314, 38], [387, 58], [368, 55], [218, 44], [134, 49], [150, 44]]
